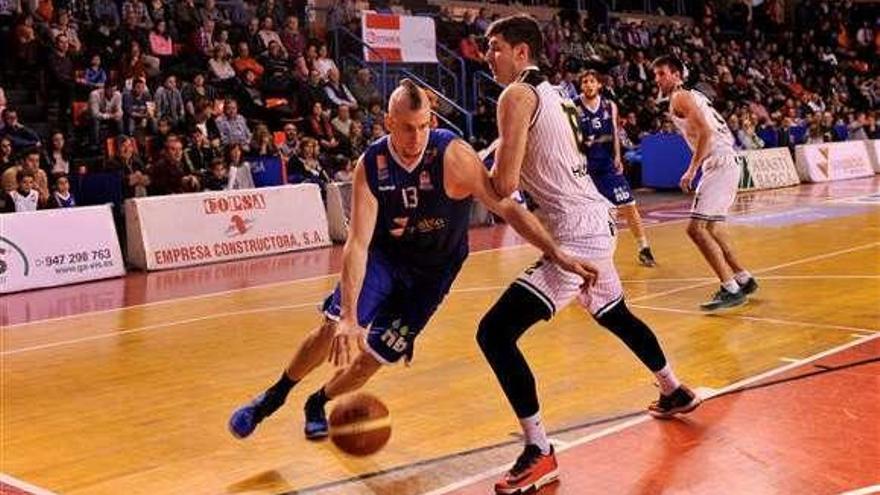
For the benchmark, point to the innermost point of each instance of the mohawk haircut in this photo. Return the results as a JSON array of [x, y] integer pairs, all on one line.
[[412, 92]]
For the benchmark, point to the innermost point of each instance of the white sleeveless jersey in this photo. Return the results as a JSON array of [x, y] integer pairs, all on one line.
[[721, 142], [554, 171]]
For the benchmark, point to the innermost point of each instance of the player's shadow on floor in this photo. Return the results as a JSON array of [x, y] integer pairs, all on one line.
[[263, 482]]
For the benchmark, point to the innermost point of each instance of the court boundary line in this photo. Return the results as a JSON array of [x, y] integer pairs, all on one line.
[[467, 289], [464, 289], [155, 326], [771, 277], [523, 244], [702, 391], [24, 485], [222, 292], [759, 271], [645, 417], [866, 490], [760, 319]]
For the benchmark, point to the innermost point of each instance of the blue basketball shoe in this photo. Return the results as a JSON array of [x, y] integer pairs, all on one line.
[[245, 419], [316, 427]]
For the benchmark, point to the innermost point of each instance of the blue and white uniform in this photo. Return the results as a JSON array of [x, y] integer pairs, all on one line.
[[597, 126], [418, 246]]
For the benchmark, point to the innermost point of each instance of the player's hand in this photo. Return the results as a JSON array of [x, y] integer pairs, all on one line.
[[348, 332], [618, 166], [687, 181], [582, 268]]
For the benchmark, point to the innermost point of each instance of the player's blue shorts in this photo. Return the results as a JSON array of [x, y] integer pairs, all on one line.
[[396, 303], [614, 187]]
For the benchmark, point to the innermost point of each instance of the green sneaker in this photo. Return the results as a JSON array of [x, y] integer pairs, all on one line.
[[724, 300]]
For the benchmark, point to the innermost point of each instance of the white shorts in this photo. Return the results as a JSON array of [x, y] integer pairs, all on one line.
[[556, 287], [717, 189]]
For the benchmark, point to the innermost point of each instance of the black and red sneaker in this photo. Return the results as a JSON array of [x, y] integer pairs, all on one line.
[[532, 470]]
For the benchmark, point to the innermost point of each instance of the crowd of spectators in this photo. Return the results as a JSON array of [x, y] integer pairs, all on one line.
[[180, 96], [777, 83], [177, 96]]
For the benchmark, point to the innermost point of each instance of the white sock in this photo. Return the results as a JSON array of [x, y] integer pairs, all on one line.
[[731, 286], [643, 243], [742, 277], [533, 429], [667, 380]]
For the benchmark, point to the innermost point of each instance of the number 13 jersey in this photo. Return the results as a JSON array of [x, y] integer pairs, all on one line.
[[554, 171], [417, 224]]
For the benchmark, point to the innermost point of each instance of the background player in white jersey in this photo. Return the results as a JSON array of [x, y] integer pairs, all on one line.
[[538, 151], [712, 144], [598, 120]]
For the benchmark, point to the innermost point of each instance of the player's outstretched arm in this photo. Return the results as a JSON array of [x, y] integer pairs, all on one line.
[[516, 106], [682, 104], [364, 209], [464, 175]]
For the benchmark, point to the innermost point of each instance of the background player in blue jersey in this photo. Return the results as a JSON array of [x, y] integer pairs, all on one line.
[[408, 239], [598, 121]]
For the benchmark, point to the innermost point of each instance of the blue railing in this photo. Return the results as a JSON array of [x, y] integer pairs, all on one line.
[[441, 69], [468, 117], [449, 124], [461, 71], [383, 64], [479, 78]]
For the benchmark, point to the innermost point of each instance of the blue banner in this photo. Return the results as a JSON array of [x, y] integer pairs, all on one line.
[[266, 170], [665, 157]]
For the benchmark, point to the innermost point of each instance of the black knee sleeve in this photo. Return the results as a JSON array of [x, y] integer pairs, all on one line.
[[635, 334], [513, 314]]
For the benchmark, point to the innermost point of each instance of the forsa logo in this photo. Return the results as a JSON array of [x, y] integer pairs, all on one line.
[[13, 257], [238, 226]]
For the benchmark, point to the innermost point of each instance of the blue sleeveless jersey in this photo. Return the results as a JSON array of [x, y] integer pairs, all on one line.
[[598, 128], [417, 223]]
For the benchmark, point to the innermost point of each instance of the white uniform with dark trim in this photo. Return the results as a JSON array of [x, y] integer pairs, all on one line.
[[561, 194], [717, 189]]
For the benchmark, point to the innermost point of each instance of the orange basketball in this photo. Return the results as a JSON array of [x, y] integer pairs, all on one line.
[[360, 424]]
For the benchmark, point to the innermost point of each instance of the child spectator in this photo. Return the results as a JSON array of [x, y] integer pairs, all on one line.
[[61, 197], [345, 172], [26, 197]]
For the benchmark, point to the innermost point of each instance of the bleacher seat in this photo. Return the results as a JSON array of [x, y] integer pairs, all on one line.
[[80, 113]]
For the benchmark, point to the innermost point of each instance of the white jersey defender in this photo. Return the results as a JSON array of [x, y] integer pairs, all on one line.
[[717, 189], [555, 181]]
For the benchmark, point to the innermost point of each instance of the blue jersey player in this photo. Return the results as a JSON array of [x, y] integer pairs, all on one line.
[[598, 122], [408, 239]]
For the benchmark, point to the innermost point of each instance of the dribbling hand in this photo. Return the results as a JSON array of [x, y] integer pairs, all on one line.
[[347, 332]]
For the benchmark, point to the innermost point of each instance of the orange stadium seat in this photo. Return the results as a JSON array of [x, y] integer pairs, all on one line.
[[79, 111]]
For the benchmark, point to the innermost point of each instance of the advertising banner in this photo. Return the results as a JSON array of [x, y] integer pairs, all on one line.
[[833, 161], [766, 169], [399, 38], [46, 248], [192, 229]]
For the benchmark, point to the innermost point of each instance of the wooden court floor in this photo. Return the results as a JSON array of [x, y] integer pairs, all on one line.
[[136, 400]]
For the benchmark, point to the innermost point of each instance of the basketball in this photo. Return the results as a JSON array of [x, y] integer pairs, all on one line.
[[360, 425]]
